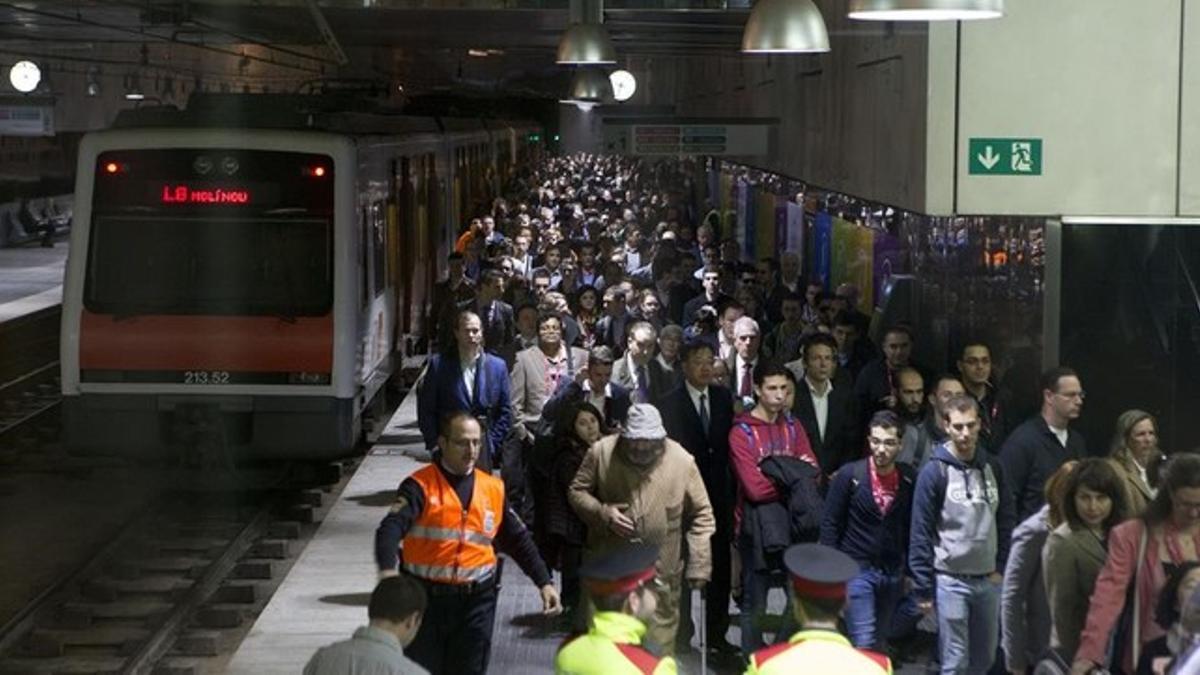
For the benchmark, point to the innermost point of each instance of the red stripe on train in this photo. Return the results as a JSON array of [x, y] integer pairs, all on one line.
[[237, 343]]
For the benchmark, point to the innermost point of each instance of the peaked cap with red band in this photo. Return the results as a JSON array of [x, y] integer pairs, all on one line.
[[619, 571], [819, 572]]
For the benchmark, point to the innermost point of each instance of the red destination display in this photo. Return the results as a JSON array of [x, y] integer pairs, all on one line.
[[187, 194]]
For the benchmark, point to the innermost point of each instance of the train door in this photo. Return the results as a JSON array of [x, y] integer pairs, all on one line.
[[406, 244]]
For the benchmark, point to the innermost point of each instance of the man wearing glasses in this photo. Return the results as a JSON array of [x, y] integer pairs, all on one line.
[[1043, 443], [867, 513]]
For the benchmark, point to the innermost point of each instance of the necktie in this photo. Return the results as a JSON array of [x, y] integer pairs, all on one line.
[[747, 381], [643, 384], [704, 412]]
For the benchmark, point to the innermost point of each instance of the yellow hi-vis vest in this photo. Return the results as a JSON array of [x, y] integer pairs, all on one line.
[[611, 647]]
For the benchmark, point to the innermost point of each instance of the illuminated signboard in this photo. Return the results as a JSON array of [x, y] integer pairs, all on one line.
[[177, 193]]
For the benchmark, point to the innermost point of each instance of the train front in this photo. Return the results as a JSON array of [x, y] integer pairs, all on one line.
[[206, 307]]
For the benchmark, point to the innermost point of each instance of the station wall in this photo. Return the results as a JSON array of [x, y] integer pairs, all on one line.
[[1098, 81], [852, 120]]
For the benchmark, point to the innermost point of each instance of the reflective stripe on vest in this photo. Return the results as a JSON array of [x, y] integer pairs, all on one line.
[[449, 544], [448, 533]]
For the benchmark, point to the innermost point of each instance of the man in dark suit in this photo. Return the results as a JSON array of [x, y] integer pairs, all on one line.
[[464, 377], [826, 407], [699, 416], [633, 371], [592, 385], [497, 316], [712, 295]]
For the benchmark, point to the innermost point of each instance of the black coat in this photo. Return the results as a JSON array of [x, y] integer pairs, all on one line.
[[843, 442], [774, 526], [711, 451]]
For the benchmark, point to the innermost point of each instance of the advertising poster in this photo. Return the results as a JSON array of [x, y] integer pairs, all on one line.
[[742, 229], [887, 261], [793, 239], [819, 261], [851, 261], [764, 216]]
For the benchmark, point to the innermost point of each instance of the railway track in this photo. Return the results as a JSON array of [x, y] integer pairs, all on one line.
[[172, 593]]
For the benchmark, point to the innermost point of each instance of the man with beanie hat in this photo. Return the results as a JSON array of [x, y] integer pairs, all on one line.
[[642, 488]]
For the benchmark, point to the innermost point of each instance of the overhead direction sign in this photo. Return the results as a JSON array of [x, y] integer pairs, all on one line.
[[1004, 157]]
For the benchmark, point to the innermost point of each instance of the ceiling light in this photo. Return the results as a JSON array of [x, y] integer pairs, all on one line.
[[24, 76], [787, 26], [925, 10], [586, 44], [135, 96], [478, 53], [589, 86], [624, 84]]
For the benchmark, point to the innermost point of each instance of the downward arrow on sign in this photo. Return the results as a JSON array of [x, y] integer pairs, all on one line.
[[989, 158]]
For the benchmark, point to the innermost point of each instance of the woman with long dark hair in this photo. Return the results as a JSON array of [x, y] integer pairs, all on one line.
[[585, 305], [1142, 554], [1093, 503], [575, 430]]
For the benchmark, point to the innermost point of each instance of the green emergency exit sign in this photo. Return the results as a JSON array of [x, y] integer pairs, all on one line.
[[1004, 157]]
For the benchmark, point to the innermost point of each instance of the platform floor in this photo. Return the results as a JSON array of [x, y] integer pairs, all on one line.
[[30, 279]]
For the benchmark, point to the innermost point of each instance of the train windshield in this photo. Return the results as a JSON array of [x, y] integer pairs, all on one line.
[[210, 266], [211, 231]]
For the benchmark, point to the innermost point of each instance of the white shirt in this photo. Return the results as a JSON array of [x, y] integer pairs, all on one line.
[[468, 375], [663, 362], [820, 404], [724, 347], [634, 372], [596, 399], [1061, 434]]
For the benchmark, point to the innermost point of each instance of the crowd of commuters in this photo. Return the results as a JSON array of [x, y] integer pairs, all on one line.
[[611, 373]]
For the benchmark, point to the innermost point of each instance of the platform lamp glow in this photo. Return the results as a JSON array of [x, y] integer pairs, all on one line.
[[783, 27], [589, 88], [624, 84], [586, 44], [24, 76], [925, 10]]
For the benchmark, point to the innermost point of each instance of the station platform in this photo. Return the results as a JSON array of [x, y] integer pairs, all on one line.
[[324, 597], [30, 280]]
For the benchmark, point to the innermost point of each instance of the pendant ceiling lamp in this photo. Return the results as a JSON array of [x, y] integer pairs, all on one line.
[[926, 10], [590, 86], [785, 26], [586, 44]]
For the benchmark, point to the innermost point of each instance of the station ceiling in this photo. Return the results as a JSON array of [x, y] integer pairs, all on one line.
[[485, 45]]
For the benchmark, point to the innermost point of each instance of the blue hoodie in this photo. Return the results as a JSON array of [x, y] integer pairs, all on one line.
[[962, 518]]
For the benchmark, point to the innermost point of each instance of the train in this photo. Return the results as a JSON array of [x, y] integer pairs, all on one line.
[[257, 286]]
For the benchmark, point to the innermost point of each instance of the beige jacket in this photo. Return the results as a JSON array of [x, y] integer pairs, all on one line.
[[527, 386], [666, 501]]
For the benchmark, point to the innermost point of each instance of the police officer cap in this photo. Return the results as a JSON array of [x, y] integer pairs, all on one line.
[[621, 570], [819, 572]]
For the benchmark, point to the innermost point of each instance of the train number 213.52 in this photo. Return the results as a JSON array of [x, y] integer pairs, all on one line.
[[206, 377]]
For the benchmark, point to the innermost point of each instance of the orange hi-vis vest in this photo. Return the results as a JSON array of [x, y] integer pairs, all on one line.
[[448, 543]]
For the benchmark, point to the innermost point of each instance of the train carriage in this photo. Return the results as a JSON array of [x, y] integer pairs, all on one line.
[[267, 282]]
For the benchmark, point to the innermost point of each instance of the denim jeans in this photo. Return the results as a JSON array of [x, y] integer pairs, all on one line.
[[871, 598], [968, 615], [755, 586]]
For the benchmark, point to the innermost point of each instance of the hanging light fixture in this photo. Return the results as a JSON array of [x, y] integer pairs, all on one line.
[[586, 44], [589, 87], [925, 10], [794, 26]]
